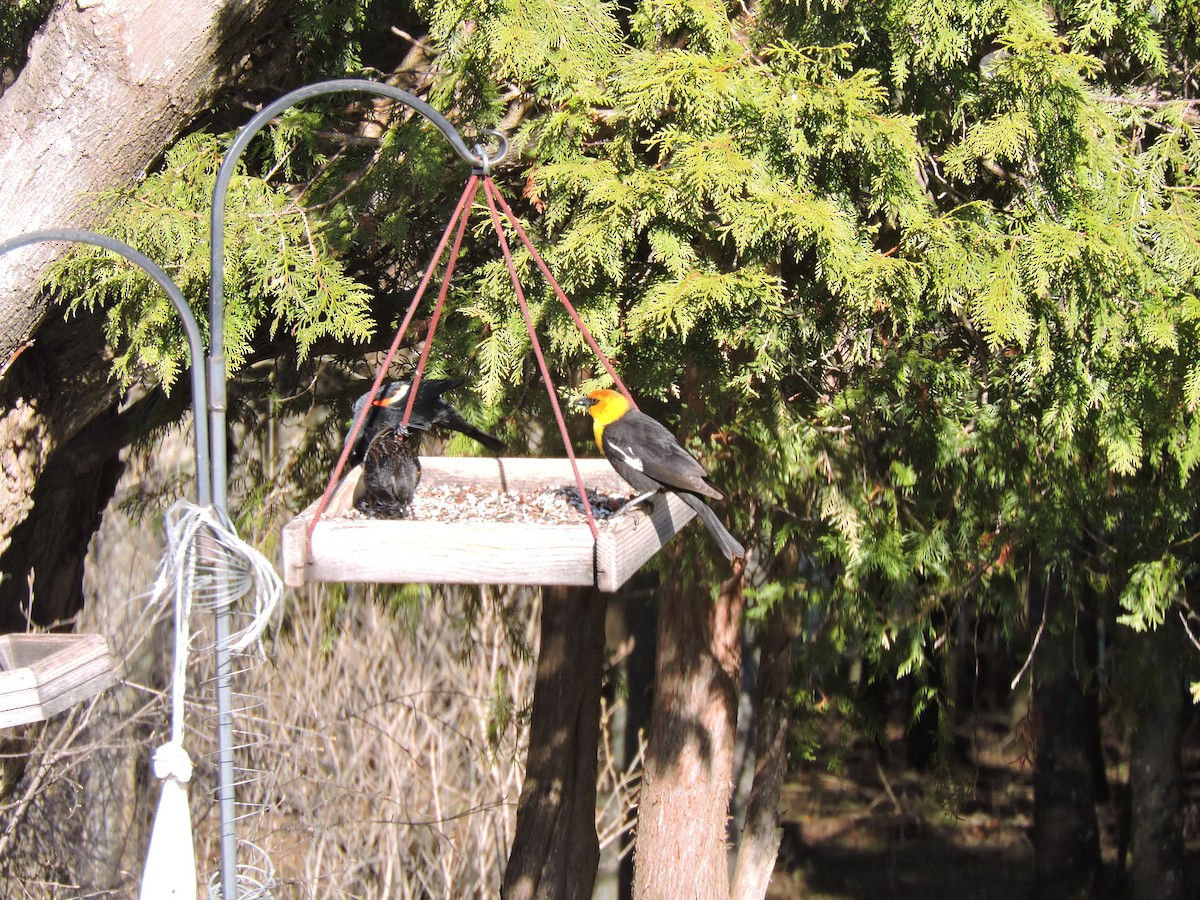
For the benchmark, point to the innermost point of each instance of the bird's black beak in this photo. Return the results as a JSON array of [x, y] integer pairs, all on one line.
[[585, 402]]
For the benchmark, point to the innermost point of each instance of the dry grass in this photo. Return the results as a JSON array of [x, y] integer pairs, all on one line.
[[380, 756], [71, 819], [381, 752], [387, 764]]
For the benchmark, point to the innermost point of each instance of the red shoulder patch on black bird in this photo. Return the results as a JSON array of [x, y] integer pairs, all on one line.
[[429, 411]]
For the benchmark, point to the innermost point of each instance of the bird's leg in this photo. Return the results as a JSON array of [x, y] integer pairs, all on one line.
[[636, 501]]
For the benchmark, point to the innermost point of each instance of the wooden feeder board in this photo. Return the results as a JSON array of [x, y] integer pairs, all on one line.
[[435, 552], [43, 674]]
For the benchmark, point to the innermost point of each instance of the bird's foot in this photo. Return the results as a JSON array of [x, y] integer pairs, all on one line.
[[644, 499]]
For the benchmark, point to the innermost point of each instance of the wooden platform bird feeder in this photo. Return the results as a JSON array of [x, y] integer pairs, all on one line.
[[44, 674], [346, 548], [327, 542]]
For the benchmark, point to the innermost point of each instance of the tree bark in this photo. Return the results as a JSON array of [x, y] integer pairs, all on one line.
[[1156, 862], [681, 831], [1066, 833], [555, 848], [50, 393], [761, 834], [107, 85], [74, 483]]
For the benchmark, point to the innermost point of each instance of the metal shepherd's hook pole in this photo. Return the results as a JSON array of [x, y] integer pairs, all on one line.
[[479, 160], [191, 330]]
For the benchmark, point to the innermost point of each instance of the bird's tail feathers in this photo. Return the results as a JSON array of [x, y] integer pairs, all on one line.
[[727, 542], [461, 425]]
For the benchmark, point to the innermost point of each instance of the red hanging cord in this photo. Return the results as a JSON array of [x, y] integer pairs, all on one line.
[[488, 184], [489, 191], [460, 216], [437, 314]]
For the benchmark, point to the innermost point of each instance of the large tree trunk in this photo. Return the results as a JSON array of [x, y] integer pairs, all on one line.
[[49, 394], [107, 85], [684, 804], [1066, 834], [1156, 766], [555, 849], [75, 482]]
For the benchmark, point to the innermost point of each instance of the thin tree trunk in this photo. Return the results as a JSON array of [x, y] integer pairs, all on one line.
[[761, 835], [1066, 834], [681, 831], [555, 849], [1156, 767]]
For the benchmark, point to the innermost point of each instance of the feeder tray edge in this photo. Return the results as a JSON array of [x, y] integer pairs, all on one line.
[[43, 674]]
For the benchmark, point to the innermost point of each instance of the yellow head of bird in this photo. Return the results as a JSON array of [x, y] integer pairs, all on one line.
[[605, 407]]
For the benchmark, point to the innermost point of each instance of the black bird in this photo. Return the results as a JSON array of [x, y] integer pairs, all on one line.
[[389, 451], [429, 411], [391, 473]]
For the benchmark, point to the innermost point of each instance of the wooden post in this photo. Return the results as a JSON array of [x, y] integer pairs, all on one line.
[[555, 850]]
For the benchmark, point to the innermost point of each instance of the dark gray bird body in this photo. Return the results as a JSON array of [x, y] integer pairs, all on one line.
[[647, 455], [391, 473]]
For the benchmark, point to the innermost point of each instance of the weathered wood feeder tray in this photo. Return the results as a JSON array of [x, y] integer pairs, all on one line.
[[43, 674], [347, 549]]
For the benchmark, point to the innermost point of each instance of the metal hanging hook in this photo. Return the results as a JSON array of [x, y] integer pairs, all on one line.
[[187, 318], [479, 160], [488, 162]]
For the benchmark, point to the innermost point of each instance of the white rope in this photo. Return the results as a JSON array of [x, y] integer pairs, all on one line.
[[205, 562], [231, 569]]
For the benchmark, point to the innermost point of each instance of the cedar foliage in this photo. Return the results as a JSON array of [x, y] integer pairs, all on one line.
[[933, 265]]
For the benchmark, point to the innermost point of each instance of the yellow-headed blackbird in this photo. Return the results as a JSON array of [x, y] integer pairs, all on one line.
[[391, 473], [647, 455]]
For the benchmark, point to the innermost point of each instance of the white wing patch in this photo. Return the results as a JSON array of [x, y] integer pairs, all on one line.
[[628, 456]]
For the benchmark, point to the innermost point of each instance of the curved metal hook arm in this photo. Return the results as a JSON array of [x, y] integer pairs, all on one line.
[[195, 344], [216, 379], [480, 161], [477, 158]]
